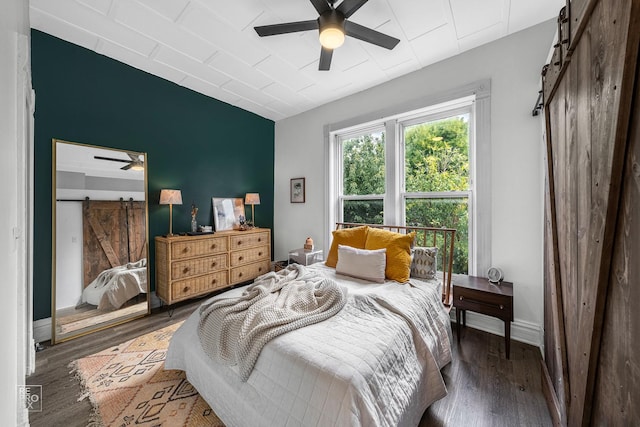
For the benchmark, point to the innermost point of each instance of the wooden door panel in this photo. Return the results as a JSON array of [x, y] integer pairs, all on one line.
[[105, 241], [113, 234], [587, 116]]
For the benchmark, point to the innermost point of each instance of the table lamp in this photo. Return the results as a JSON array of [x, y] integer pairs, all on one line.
[[170, 197], [252, 199]]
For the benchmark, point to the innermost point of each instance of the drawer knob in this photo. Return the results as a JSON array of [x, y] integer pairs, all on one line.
[[186, 249], [214, 281], [501, 307], [461, 298], [186, 289], [240, 258], [213, 264], [213, 246], [240, 274], [185, 270], [259, 239], [259, 253], [239, 242], [259, 268]]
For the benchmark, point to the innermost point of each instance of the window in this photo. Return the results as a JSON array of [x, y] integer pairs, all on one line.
[[436, 170], [416, 168], [363, 177]]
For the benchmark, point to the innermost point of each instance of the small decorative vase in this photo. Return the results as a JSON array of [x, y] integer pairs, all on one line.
[[308, 244], [194, 224]]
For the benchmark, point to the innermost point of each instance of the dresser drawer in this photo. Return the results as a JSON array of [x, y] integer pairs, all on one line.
[[249, 271], [248, 240], [200, 247], [184, 289], [499, 306], [197, 266], [249, 255]]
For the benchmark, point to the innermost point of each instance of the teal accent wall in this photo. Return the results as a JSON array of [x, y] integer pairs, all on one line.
[[194, 143]]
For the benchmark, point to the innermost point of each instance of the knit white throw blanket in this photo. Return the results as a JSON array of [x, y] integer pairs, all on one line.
[[234, 330]]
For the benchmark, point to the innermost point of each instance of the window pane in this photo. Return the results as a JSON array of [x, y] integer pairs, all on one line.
[[363, 165], [449, 213], [437, 155], [363, 211]]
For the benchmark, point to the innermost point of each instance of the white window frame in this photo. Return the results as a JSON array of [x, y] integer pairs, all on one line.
[[474, 97]]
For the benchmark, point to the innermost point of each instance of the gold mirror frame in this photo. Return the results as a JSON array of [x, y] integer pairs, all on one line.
[[86, 185]]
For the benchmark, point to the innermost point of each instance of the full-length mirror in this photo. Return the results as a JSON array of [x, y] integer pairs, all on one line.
[[100, 238]]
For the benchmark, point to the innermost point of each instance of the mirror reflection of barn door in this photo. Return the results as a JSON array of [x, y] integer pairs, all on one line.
[[113, 235], [136, 213]]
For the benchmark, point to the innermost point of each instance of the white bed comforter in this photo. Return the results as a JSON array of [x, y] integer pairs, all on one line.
[[115, 286], [375, 363]]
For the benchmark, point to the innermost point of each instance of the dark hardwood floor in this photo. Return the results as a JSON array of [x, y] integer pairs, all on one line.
[[484, 388]]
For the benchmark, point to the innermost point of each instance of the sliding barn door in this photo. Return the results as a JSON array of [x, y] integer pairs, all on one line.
[[113, 235], [592, 235]]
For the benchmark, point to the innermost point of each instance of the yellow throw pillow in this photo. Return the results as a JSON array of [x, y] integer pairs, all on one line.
[[354, 237], [398, 251]]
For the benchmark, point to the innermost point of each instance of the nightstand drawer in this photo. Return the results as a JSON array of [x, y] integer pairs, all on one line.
[[248, 240], [196, 266], [496, 307], [192, 248]]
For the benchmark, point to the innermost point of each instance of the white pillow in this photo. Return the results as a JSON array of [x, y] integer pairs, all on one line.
[[362, 263], [424, 262]]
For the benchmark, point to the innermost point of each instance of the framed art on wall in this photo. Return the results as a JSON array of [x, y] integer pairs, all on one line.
[[227, 213], [297, 190]]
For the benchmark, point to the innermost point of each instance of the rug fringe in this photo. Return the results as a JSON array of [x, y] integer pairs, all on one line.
[[95, 419]]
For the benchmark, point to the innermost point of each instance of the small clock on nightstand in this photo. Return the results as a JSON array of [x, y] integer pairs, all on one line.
[[495, 275]]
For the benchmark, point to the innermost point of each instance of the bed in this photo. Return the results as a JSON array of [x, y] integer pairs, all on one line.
[[115, 286], [376, 362]]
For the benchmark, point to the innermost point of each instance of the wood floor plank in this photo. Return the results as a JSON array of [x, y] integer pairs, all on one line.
[[484, 389]]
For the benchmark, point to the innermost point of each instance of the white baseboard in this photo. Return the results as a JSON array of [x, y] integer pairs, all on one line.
[[521, 330], [155, 301], [42, 330]]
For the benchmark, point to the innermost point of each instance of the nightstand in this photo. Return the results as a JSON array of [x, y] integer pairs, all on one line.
[[304, 257], [479, 295]]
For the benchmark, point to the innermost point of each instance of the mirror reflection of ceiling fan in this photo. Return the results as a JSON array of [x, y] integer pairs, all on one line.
[[134, 162], [332, 25]]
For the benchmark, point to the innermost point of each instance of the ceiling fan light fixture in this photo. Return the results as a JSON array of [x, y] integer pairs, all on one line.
[[137, 166], [331, 37]]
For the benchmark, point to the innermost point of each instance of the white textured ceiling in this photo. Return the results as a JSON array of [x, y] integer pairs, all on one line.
[[210, 46]]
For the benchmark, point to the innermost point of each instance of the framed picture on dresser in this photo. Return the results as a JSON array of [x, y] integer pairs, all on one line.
[[297, 190], [227, 213]]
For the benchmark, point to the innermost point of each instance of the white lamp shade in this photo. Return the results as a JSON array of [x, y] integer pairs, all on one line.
[[170, 197], [331, 37], [252, 199]]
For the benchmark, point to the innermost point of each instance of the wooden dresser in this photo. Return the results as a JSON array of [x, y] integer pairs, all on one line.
[[190, 266]]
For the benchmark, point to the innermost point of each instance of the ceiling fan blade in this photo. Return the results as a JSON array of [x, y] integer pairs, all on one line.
[[348, 7], [325, 59], [134, 157], [289, 27], [111, 159], [371, 36], [127, 167], [321, 6]]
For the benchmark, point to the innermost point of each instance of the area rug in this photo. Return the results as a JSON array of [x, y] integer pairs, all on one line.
[[127, 385]]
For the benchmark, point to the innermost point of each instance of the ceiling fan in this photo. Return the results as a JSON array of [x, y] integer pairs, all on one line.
[[134, 162], [333, 25]]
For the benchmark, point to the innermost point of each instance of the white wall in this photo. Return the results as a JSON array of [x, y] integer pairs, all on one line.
[[14, 32], [69, 268], [513, 64]]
